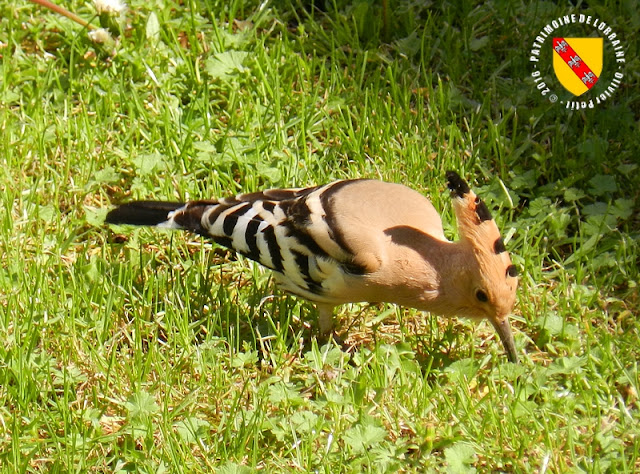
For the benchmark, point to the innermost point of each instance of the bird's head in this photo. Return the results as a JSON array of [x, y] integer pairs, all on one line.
[[490, 277]]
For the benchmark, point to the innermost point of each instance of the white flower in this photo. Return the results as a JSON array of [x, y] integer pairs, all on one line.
[[111, 7], [100, 35]]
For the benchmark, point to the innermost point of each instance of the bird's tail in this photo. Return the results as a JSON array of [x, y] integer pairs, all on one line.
[[148, 213], [170, 215]]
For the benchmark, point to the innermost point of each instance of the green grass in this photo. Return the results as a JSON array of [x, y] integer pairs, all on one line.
[[135, 350]]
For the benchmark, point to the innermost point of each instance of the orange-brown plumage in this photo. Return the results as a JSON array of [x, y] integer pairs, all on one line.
[[359, 241]]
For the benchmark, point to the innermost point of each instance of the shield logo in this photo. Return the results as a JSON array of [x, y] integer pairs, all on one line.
[[577, 62]]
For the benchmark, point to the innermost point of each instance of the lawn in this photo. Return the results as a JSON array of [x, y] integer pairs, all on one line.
[[136, 350]]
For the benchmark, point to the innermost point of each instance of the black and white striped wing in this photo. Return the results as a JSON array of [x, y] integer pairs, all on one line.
[[288, 231]]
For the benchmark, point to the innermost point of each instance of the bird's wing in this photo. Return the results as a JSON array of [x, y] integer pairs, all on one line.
[[286, 230]]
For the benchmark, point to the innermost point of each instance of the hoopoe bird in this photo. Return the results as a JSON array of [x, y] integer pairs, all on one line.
[[359, 240]]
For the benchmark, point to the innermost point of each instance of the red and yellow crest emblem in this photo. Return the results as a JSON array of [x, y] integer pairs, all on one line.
[[577, 63]]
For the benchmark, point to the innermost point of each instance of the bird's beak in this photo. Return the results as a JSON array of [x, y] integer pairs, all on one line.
[[503, 328]]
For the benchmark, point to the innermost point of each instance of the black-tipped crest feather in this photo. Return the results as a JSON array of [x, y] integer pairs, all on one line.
[[498, 246], [482, 211], [456, 184]]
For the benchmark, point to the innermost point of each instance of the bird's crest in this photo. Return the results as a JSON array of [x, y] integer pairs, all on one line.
[[477, 227], [478, 230]]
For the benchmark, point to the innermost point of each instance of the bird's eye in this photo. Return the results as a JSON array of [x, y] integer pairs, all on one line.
[[482, 296]]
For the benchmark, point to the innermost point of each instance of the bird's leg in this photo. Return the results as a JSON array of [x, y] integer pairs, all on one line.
[[325, 322], [325, 319]]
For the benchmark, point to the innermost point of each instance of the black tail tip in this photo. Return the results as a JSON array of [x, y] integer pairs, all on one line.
[[456, 184], [147, 213]]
